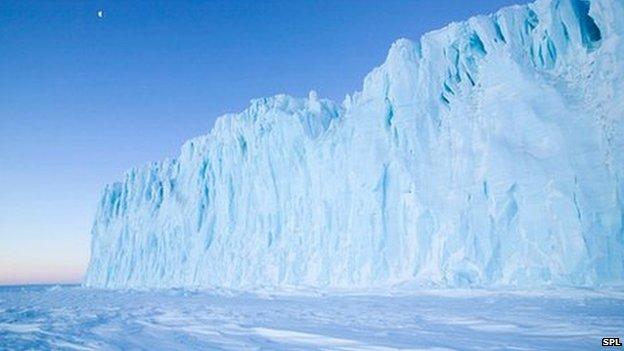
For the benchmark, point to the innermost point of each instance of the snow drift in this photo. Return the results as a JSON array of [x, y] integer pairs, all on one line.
[[489, 153]]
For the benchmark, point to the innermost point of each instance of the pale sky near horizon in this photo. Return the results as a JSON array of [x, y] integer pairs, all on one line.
[[84, 97]]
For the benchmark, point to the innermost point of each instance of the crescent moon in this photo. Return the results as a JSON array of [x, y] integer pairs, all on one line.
[[100, 14]]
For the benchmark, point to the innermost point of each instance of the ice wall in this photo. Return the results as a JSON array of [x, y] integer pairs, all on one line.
[[489, 153]]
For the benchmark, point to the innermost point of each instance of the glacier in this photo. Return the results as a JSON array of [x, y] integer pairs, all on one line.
[[489, 153]]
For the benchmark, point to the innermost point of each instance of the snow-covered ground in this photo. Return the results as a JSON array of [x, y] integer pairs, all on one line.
[[71, 317]]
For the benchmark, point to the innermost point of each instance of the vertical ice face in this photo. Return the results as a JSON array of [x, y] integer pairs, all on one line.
[[489, 153]]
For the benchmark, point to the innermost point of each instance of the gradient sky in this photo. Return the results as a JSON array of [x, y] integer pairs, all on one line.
[[82, 99]]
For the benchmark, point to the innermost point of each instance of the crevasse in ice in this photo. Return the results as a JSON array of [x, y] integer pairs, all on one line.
[[489, 153]]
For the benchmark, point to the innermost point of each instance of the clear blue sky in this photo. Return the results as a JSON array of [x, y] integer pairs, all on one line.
[[84, 98]]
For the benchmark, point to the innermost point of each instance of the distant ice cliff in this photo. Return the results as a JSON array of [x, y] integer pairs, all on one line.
[[489, 153]]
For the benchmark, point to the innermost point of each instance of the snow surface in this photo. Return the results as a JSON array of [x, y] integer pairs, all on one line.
[[75, 318], [489, 153]]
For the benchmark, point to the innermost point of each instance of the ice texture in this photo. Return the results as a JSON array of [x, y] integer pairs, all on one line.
[[489, 153], [72, 318]]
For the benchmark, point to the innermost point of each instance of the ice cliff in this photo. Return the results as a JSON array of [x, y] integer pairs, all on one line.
[[489, 153]]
